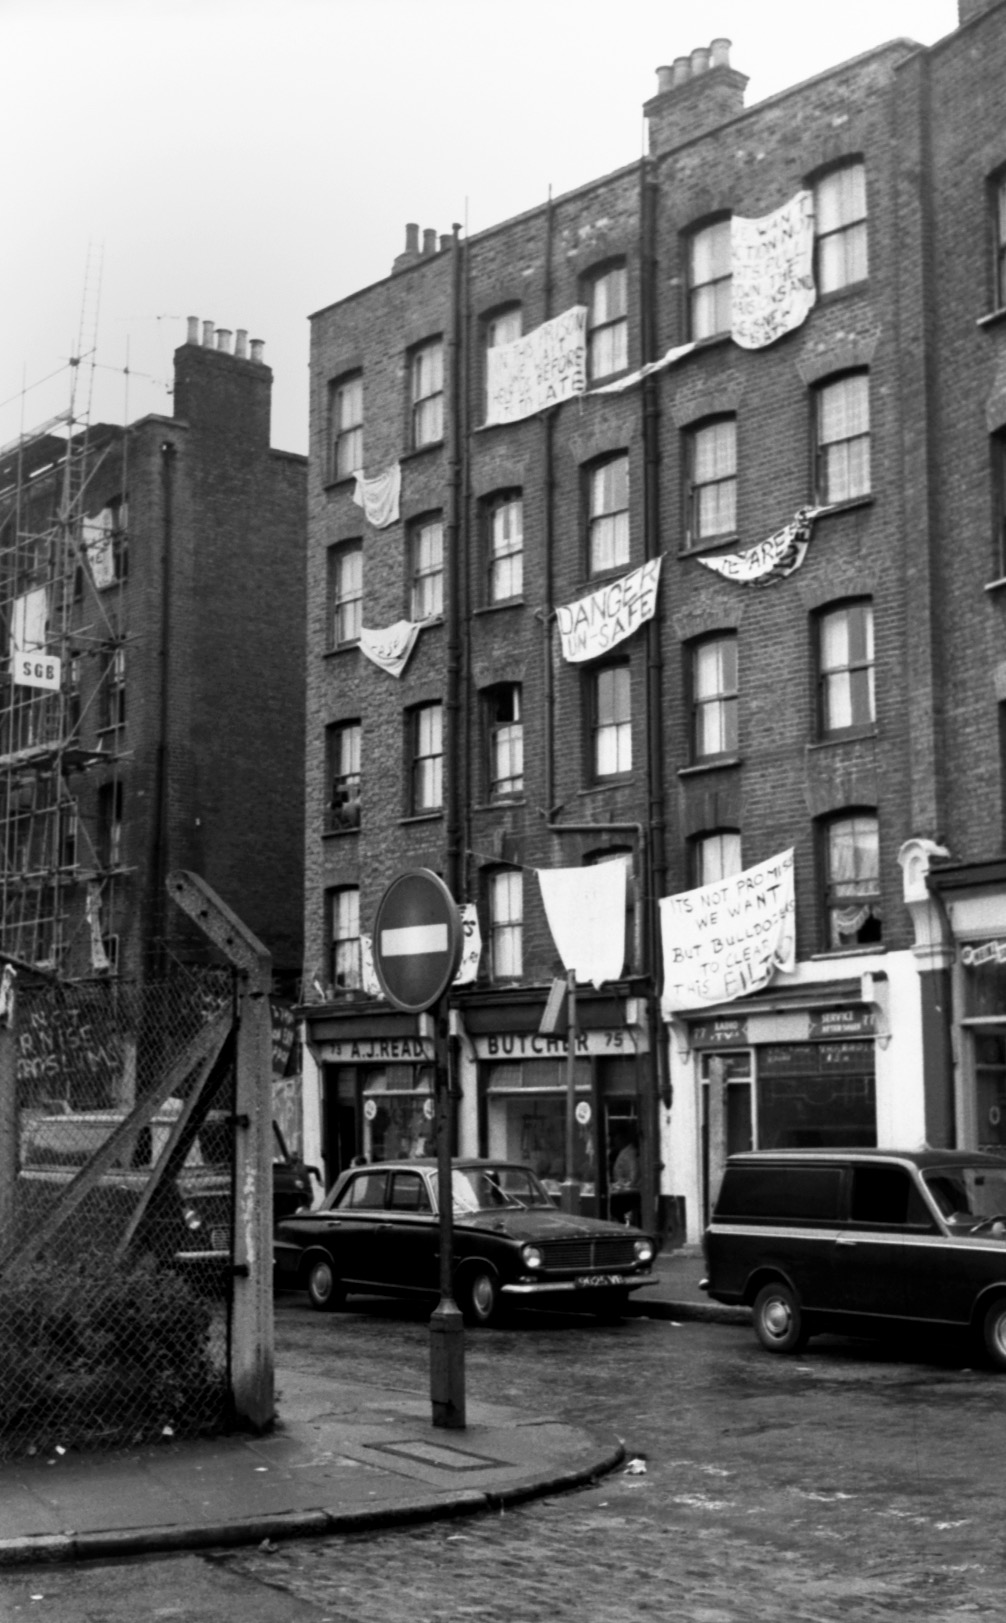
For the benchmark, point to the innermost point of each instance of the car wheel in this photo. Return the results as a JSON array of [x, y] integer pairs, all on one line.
[[324, 1287], [610, 1306], [994, 1333], [480, 1297], [778, 1318]]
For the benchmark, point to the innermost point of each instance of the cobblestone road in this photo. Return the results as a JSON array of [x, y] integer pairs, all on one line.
[[848, 1484]]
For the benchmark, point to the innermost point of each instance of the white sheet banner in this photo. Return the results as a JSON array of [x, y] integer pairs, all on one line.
[[538, 370], [92, 912], [676, 354], [391, 647], [585, 909], [728, 938], [379, 496], [772, 259], [471, 949], [96, 536], [593, 624], [771, 560], [369, 982]]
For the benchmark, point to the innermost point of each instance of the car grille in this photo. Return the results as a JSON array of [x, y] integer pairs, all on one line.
[[563, 1256]]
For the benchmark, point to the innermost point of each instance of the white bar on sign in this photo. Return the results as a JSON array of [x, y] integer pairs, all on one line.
[[413, 939]]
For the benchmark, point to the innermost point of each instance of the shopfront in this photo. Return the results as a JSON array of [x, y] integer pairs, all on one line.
[[974, 899]]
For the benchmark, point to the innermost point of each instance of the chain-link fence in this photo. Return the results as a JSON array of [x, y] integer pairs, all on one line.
[[115, 1272]]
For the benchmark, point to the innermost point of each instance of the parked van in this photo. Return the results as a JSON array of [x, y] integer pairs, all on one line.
[[858, 1241]]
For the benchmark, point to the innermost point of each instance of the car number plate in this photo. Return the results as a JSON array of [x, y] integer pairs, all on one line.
[[601, 1279], [220, 1240]]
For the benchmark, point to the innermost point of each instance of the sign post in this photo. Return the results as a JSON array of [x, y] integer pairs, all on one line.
[[418, 940]]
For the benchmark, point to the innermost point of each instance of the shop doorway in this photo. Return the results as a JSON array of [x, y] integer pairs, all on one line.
[[340, 1119]]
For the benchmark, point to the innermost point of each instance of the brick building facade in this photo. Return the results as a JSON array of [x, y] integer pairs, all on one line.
[[159, 568], [822, 674]]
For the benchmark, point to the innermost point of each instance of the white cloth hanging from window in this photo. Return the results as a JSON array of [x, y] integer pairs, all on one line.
[[379, 496], [728, 938], [596, 623], [772, 272], [585, 909], [538, 370], [391, 647], [771, 560]]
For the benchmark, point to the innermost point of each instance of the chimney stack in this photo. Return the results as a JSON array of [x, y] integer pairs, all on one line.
[[207, 335], [224, 339], [429, 241], [193, 332], [694, 95]]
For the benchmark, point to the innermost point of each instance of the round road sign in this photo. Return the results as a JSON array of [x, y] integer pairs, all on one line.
[[417, 940]]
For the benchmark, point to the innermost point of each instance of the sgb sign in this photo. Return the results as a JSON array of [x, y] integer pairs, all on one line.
[[36, 670]]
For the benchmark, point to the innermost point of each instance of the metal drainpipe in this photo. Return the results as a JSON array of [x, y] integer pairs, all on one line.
[[452, 701], [656, 880], [549, 538], [159, 908]]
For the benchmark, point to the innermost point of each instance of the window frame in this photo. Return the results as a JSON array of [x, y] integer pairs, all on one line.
[[345, 439], [998, 185], [700, 843], [825, 449], [502, 786], [717, 287], [695, 535], [608, 725], [111, 823], [504, 561], [426, 578], [998, 459], [342, 804], [604, 521], [419, 754], [851, 235], [829, 677], [502, 313], [112, 697], [505, 929], [345, 968], [725, 699], [611, 329], [868, 893], [422, 397], [340, 601]]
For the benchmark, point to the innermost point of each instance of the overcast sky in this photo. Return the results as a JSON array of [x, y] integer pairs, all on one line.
[[250, 161]]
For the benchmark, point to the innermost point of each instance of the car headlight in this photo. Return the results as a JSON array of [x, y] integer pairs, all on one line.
[[532, 1256], [644, 1250], [192, 1218]]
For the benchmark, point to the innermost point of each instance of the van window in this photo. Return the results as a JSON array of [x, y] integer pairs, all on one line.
[[792, 1192], [886, 1196]]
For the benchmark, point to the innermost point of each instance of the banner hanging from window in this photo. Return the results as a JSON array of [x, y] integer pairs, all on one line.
[[772, 281], [771, 560], [391, 647], [728, 938], [593, 624], [678, 353], [585, 909], [538, 370], [379, 497]]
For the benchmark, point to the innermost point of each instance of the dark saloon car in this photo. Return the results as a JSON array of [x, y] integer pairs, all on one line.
[[378, 1232], [860, 1241]]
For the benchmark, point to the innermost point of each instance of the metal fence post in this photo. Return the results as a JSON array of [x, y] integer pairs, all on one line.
[[8, 1127]]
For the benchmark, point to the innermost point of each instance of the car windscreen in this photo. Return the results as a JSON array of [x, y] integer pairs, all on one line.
[[490, 1189], [967, 1194]]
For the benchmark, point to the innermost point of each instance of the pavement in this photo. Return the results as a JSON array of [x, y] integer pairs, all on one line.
[[343, 1457]]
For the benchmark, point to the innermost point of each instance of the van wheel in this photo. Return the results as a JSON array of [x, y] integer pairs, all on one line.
[[778, 1318], [324, 1288], [994, 1333]]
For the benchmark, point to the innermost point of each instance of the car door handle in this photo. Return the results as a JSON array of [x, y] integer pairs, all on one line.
[[846, 1240]]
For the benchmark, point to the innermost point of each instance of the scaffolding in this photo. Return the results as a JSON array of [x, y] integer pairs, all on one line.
[[64, 552]]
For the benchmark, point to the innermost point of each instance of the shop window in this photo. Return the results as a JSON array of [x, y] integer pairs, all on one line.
[[426, 763], [344, 912], [607, 323], [343, 742], [505, 738], [526, 1109], [426, 373], [852, 881], [990, 1089], [709, 281], [611, 720], [506, 924], [845, 669], [608, 515], [712, 480], [345, 584], [716, 856], [505, 525], [840, 227], [502, 327], [843, 439], [714, 697], [346, 426], [426, 569], [816, 1095]]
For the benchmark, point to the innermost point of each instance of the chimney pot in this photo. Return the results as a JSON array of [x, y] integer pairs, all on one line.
[[241, 343], [193, 332], [681, 71], [700, 60], [445, 241], [719, 52], [429, 241], [257, 346], [208, 334], [224, 339], [665, 79], [412, 239]]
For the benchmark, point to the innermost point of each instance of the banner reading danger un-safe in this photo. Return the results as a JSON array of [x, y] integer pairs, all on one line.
[[596, 623]]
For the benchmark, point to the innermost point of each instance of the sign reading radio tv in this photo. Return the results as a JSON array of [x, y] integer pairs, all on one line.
[[418, 940]]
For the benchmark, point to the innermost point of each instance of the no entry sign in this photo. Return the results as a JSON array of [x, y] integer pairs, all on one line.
[[417, 940]]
